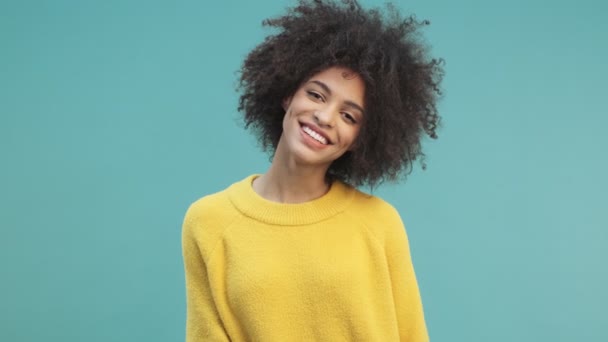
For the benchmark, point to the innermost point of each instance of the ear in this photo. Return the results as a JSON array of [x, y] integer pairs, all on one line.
[[286, 102]]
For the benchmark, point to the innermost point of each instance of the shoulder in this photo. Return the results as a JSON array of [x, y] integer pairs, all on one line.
[[211, 208], [206, 219], [373, 207], [380, 216]]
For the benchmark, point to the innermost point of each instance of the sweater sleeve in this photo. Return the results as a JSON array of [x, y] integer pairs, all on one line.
[[408, 304], [203, 322]]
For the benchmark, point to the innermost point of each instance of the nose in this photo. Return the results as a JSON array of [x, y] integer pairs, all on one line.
[[324, 117]]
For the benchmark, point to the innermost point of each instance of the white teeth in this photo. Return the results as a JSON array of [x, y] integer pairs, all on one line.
[[315, 135]]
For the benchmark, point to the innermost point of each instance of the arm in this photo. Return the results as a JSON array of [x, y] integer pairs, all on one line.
[[203, 322], [408, 305]]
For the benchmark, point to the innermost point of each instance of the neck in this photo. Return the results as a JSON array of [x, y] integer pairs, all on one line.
[[287, 181]]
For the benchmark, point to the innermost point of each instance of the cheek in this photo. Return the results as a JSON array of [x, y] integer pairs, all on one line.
[[352, 137], [289, 122], [286, 119], [354, 134]]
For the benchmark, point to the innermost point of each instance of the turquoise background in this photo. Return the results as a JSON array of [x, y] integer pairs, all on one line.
[[116, 115]]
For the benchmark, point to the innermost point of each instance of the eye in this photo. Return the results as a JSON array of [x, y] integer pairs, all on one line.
[[349, 117], [315, 95]]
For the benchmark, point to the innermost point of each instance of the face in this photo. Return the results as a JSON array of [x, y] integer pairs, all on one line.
[[324, 116]]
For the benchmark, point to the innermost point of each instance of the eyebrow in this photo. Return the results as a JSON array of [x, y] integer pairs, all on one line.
[[347, 102]]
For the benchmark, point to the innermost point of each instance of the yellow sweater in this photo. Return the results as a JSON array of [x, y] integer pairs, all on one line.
[[337, 268]]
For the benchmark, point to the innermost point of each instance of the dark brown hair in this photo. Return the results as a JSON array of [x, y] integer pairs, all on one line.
[[402, 82]]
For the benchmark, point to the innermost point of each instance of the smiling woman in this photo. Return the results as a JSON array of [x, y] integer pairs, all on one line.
[[322, 120], [341, 96]]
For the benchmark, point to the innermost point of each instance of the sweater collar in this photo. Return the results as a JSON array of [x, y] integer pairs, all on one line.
[[248, 202]]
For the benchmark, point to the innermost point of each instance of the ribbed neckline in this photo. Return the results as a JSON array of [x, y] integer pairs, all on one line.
[[247, 201]]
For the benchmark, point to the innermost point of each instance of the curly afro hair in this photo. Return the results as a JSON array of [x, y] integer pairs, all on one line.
[[402, 83]]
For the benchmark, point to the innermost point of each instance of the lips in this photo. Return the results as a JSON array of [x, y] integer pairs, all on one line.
[[318, 131]]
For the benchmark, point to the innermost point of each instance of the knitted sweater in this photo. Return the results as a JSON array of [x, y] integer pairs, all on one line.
[[336, 268]]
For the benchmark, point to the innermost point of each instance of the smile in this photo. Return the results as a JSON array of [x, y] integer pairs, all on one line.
[[318, 137]]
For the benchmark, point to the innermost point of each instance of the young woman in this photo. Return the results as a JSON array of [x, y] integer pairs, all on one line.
[[341, 97]]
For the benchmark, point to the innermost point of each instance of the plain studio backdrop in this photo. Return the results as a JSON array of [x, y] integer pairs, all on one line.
[[116, 115]]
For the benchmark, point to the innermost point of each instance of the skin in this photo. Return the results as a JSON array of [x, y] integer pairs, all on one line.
[[331, 103]]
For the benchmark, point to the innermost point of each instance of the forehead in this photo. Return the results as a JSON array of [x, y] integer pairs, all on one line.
[[342, 82]]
